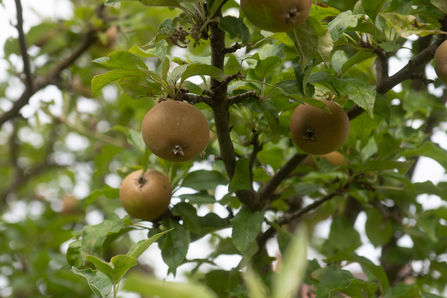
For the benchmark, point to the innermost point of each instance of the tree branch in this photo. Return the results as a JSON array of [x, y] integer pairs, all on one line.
[[256, 148], [288, 217], [21, 176], [24, 49], [242, 96], [195, 98], [233, 48], [282, 174], [229, 78], [50, 78], [413, 66]]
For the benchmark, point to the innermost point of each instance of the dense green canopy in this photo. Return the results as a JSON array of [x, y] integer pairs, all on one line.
[[248, 215]]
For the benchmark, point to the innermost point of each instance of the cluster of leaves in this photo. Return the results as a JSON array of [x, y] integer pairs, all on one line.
[[340, 53]]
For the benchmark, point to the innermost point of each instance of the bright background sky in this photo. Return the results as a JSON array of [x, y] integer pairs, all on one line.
[[426, 169]]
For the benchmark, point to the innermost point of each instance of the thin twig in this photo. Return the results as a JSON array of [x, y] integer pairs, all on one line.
[[242, 96], [233, 48], [51, 78], [288, 217], [256, 148], [412, 67], [24, 49], [195, 98], [282, 174]]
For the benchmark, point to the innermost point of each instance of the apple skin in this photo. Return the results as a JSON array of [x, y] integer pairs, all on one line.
[[316, 131], [170, 125], [147, 201], [440, 62], [276, 16]]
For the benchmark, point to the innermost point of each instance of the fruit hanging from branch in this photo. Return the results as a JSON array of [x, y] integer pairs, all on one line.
[[276, 16], [440, 62], [316, 131], [145, 196], [175, 131]]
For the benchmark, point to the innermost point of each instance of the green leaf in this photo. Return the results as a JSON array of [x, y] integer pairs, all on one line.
[[306, 189], [99, 81], [323, 12], [356, 59], [378, 230], [215, 6], [340, 23], [222, 282], [369, 150], [199, 198], [373, 7], [97, 281], [293, 270], [255, 287], [93, 237], [441, 4], [73, 255], [335, 280], [267, 66], [136, 139], [388, 146], [150, 286], [175, 245], [241, 179], [343, 236], [428, 187], [210, 223], [429, 295], [382, 108], [178, 71], [429, 150], [325, 42], [141, 246], [260, 107], [203, 70], [406, 25], [168, 3], [379, 165], [117, 267], [273, 157], [373, 271], [189, 216], [360, 92], [129, 71], [305, 39], [142, 53], [122, 60], [235, 27], [246, 227], [430, 225], [403, 291], [399, 6], [138, 87], [204, 180], [225, 247], [159, 51], [107, 191]]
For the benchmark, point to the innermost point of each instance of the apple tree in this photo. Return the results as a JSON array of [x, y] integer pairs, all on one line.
[[71, 111]]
